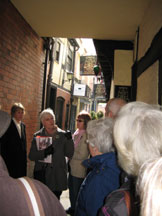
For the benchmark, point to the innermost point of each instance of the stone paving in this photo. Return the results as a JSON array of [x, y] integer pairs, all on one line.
[[64, 199]]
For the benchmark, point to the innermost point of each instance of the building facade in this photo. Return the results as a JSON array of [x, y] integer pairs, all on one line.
[[28, 60]]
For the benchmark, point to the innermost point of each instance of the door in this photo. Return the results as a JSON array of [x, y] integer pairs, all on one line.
[[59, 111]]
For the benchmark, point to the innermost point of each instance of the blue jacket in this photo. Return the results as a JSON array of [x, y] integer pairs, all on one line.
[[102, 180]]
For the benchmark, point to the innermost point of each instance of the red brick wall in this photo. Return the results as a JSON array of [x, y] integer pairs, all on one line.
[[21, 68]]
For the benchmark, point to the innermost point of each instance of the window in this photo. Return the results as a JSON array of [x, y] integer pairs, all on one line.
[[58, 46], [69, 60]]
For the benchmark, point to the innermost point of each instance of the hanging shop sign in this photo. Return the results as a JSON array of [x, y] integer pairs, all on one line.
[[99, 90], [87, 64], [79, 90]]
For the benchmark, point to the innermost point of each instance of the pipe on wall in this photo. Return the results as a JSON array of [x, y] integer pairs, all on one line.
[[51, 59], [46, 47]]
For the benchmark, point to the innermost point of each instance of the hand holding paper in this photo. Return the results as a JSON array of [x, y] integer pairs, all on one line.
[[49, 150]]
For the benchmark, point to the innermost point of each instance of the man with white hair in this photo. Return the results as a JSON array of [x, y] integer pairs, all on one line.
[[113, 106], [24, 196]]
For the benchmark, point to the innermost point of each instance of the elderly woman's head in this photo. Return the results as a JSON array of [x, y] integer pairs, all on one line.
[[47, 118], [137, 135], [99, 134]]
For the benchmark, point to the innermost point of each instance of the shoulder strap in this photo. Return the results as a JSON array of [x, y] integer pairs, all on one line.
[[127, 197], [118, 203], [127, 201], [31, 196]]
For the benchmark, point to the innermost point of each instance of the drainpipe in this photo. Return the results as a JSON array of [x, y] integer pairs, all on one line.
[[76, 48], [51, 59], [46, 46]]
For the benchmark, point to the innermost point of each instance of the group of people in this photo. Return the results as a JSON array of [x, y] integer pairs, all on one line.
[[124, 175], [113, 164], [21, 195], [138, 142]]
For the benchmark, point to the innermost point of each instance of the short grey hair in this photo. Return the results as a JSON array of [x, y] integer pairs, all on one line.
[[137, 135], [45, 113], [149, 187], [100, 134], [115, 105]]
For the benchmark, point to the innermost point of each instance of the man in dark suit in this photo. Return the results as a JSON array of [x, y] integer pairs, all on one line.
[[13, 143]]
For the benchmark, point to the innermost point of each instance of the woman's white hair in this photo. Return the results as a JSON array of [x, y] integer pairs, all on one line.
[[100, 134], [137, 135], [149, 187], [45, 113]]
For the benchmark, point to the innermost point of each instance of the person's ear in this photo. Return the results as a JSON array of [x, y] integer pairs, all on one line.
[[110, 114]]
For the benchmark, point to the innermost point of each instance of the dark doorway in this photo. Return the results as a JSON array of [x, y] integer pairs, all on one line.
[[59, 111], [52, 101]]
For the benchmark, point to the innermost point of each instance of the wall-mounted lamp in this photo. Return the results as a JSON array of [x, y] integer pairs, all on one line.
[[69, 77]]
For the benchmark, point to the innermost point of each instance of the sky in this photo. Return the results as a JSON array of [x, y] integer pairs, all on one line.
[[88, 43]]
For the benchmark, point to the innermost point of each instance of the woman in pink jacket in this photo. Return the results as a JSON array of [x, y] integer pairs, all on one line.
[[77, 170]]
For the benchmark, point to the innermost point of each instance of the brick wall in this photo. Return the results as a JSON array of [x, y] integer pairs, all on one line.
[[21, 68]]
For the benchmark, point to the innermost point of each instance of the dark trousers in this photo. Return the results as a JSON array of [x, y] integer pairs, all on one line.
[[40, 175], [74, 186]]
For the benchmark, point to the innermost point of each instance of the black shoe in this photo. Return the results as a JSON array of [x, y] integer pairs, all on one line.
[[70, 211]]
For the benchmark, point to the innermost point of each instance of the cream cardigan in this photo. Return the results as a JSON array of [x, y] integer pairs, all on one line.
[[81, 153]]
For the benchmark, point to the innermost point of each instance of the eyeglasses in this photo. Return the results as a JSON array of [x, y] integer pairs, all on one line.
[[79, 120]]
